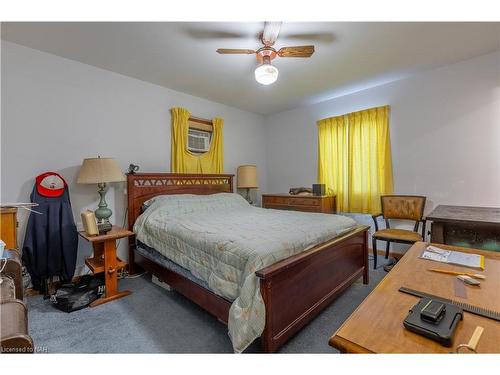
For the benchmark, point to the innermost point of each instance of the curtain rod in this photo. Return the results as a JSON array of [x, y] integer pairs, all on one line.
[[200, 120], [361, 110]]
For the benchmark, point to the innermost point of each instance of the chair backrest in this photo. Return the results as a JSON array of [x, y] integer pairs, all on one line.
[[404, 207]]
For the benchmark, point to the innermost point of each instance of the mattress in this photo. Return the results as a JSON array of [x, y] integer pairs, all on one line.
[[222, 240]]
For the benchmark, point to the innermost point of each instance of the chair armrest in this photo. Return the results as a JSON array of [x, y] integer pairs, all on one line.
[[374, 217]]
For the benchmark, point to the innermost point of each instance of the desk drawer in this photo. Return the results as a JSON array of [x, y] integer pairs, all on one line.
[[304, 201]]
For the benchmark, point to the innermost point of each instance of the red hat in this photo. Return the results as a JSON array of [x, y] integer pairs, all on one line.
[[50, 184]]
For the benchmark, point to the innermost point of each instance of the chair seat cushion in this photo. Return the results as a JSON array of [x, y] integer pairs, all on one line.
[[397, 234]]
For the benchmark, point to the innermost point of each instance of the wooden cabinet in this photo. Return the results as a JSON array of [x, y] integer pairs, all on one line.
[[324, 204], [8, 226], [474, 227]]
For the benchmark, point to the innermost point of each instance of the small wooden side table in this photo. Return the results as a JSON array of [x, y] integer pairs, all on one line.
[[105, 260]]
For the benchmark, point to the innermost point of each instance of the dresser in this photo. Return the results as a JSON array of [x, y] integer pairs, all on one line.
[[308, 203], [8, 225]]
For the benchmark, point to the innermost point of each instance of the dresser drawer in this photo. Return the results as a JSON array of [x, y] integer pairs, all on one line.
[[279, 207], [303, 208], [276, 200], [304, 201], [324, 204]]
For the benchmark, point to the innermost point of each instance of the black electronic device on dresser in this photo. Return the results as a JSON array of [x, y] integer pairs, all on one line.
[[319, 190]]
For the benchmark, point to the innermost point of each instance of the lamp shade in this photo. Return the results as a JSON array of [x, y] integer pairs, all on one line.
[[247, 177], [97, 170]]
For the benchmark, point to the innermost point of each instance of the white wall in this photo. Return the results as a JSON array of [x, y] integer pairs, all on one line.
[[445, 134], [56, 112]]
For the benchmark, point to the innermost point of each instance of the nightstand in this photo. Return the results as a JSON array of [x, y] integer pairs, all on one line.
[[104, 260]]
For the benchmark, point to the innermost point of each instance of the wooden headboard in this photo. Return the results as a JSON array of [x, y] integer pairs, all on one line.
[[144, 186]]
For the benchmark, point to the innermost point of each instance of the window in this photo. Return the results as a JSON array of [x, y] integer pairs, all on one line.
[[182, 160], [354, 159], [199, 135]]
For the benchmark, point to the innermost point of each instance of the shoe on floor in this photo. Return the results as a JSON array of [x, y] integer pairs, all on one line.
[[390, 264]]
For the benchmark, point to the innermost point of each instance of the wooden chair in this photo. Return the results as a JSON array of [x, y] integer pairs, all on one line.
[[400, 207]]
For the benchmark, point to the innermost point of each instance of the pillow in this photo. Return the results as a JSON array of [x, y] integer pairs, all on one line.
[[190, 203]]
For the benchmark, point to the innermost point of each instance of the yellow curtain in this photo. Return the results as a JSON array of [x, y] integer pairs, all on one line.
[[182, 160], [354, 159], [332, 160]]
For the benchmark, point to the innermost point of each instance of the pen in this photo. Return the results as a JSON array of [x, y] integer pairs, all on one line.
[[474, 275]]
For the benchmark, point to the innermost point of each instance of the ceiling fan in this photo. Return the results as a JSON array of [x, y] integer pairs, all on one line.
[[266, 73]]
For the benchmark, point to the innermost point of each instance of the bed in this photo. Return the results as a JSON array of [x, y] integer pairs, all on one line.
[[305, 281]]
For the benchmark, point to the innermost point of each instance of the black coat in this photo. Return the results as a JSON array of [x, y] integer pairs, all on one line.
[[51, 241]]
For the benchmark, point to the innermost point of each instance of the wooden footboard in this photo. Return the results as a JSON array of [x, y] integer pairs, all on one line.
[[296, 289]]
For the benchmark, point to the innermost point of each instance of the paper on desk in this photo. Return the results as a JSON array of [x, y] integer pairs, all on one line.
[[436, 254], [453, 257]]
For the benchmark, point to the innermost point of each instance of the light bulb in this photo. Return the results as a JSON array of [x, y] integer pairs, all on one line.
[[266, 74]]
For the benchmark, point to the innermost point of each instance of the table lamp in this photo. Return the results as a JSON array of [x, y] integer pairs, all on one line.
[[101, 171], [247, 179]]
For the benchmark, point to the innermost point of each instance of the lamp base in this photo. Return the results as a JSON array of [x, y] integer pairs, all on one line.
[[103, 213], [249, 200], [104, 227]]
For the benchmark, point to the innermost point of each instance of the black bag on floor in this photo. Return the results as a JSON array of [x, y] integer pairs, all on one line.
[[75, 296]]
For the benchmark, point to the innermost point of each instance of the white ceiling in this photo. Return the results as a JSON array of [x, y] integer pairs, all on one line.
[[181, 56]]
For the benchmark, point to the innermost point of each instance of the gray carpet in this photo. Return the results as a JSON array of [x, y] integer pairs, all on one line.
[[153, 320]]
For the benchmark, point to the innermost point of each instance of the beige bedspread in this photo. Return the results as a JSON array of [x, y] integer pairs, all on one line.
[[223, 240]]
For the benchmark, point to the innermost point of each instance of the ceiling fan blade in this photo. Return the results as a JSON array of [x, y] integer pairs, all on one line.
[[298, 51], [270, 33], [234, 51]]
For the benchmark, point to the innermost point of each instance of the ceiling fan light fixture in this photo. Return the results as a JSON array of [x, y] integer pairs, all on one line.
[[266, 74]]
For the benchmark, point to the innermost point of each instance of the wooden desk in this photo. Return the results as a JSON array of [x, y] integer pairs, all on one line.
[[376, 326], [476, 227], [104, 260], [308, 203]]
